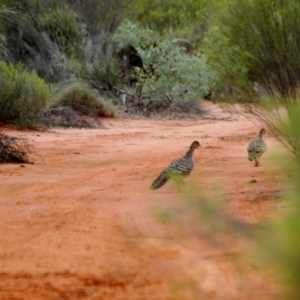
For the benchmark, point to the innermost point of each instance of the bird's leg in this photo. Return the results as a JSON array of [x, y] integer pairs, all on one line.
[[257, 163]]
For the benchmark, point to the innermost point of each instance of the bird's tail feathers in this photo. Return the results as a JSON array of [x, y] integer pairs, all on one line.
[[159, 181], [165, 176]]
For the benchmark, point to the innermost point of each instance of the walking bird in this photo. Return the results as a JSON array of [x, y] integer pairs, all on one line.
[[256, 148], [181, 166]]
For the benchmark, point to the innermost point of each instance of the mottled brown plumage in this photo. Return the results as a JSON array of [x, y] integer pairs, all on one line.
[[256, 148], [181, 166]]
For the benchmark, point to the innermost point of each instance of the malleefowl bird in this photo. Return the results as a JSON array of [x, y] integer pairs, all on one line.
[[256, 148], [180, 167]]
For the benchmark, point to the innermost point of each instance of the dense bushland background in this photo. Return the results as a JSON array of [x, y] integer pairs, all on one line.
[[152, 55]]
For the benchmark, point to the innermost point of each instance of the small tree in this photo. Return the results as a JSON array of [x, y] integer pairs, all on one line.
[[169, 74]]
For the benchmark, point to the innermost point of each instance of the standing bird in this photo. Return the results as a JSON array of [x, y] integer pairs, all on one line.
[[256, 148], [181, 166]]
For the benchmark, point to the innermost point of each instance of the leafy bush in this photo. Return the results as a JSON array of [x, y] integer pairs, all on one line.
[[130, 34], [269, 39], [225, 63], [169, 73], [84, 99], [22, 95], [253, 41]]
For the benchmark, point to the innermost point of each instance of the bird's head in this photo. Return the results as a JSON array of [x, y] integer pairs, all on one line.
[[195, 145]]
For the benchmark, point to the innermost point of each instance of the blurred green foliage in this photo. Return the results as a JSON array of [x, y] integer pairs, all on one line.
[[279, 248], [279, 243]]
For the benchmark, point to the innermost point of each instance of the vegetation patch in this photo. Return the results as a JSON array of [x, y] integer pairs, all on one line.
[[13, 149], [76, 105], [84, 100], [167, 74], [22, 95], [66, 117]]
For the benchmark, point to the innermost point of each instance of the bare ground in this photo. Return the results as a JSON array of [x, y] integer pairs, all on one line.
[[80, 222]]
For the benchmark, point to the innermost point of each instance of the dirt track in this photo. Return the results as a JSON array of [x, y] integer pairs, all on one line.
[[80, 222]]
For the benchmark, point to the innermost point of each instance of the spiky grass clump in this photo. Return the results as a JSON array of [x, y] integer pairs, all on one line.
[[81, 98]]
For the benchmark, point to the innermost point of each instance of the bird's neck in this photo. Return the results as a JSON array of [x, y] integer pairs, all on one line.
[[261, 137], [190, 153]]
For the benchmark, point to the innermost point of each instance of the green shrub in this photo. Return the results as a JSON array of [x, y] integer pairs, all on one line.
[[82, 98], [22, 95], [169, 75], [256, 41], [226, 65], [268, 33]]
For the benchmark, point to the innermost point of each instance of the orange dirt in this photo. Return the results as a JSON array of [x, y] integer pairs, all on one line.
[[80, 222]]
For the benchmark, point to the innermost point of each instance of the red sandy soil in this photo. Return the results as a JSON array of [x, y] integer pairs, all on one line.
[[81, 222]]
